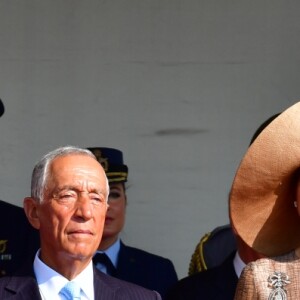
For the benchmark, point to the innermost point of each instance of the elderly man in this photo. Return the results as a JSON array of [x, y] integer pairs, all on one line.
[[68, 203]]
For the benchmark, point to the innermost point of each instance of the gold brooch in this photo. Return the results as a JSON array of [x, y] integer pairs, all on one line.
[[277, 282]]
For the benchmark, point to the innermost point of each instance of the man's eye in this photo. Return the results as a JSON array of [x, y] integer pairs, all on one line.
[[96, 198], [67, 196]]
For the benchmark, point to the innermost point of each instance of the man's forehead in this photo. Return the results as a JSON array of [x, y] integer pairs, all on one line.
[[79, 161], [79, 168]]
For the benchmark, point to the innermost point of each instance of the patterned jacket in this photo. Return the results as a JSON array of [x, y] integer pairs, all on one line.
[[270, 279]]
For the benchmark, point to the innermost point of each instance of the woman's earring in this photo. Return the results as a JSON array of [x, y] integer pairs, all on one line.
[[295, 204]]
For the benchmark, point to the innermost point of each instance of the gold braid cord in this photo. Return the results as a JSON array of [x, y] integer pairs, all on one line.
[[197, 263]]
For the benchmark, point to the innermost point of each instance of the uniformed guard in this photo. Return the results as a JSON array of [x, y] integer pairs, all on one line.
[[18, 240]]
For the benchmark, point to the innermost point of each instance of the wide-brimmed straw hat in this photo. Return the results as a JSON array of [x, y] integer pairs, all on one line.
[[262, 196]]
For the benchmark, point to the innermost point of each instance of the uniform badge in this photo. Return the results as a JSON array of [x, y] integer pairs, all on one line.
[[277, 282], [102, 160], [3, 244], [3, 248]]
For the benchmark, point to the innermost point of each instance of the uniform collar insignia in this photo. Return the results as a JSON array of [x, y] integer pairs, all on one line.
[[3, 244]]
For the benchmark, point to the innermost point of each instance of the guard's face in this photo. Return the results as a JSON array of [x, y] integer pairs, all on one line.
[[115, 217], [71, 217]]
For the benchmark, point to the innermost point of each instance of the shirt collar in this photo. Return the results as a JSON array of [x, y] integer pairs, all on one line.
[[50, 282], [238, 264]]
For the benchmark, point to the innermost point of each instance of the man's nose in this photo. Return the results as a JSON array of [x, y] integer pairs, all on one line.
[[84, 207]]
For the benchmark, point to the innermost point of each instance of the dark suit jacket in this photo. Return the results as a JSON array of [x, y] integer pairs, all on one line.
[[106, 288], [18, 239], [218, 283], [146, 269]]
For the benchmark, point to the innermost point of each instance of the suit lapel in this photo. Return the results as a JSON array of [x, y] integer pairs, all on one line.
[[126, 268], [23, 288], [104, 290], [227, 285]]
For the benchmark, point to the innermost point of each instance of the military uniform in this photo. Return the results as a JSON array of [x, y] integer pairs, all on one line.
[[19, 241]]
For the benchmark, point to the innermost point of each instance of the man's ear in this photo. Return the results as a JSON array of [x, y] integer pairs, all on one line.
[[31, 210]]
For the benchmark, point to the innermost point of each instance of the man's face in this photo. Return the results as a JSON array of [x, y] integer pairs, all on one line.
[[71, 216]]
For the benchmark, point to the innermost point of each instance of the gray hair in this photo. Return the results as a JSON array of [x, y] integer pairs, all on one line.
[[40, 172]]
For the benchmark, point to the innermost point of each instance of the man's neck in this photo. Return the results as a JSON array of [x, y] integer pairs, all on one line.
[[69, 267]]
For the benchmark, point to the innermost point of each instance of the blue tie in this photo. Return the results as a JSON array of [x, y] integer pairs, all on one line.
[[71, 291]]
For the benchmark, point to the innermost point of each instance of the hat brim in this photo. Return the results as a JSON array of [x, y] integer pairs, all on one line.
[[264, 188], [116, 174]]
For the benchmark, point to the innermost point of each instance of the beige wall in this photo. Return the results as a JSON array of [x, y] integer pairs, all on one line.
[[179, 85]]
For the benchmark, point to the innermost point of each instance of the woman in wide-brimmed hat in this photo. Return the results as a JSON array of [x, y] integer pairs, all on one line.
[[265, 209]]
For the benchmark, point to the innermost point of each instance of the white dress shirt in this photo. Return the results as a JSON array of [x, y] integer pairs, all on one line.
[[50, 282]]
